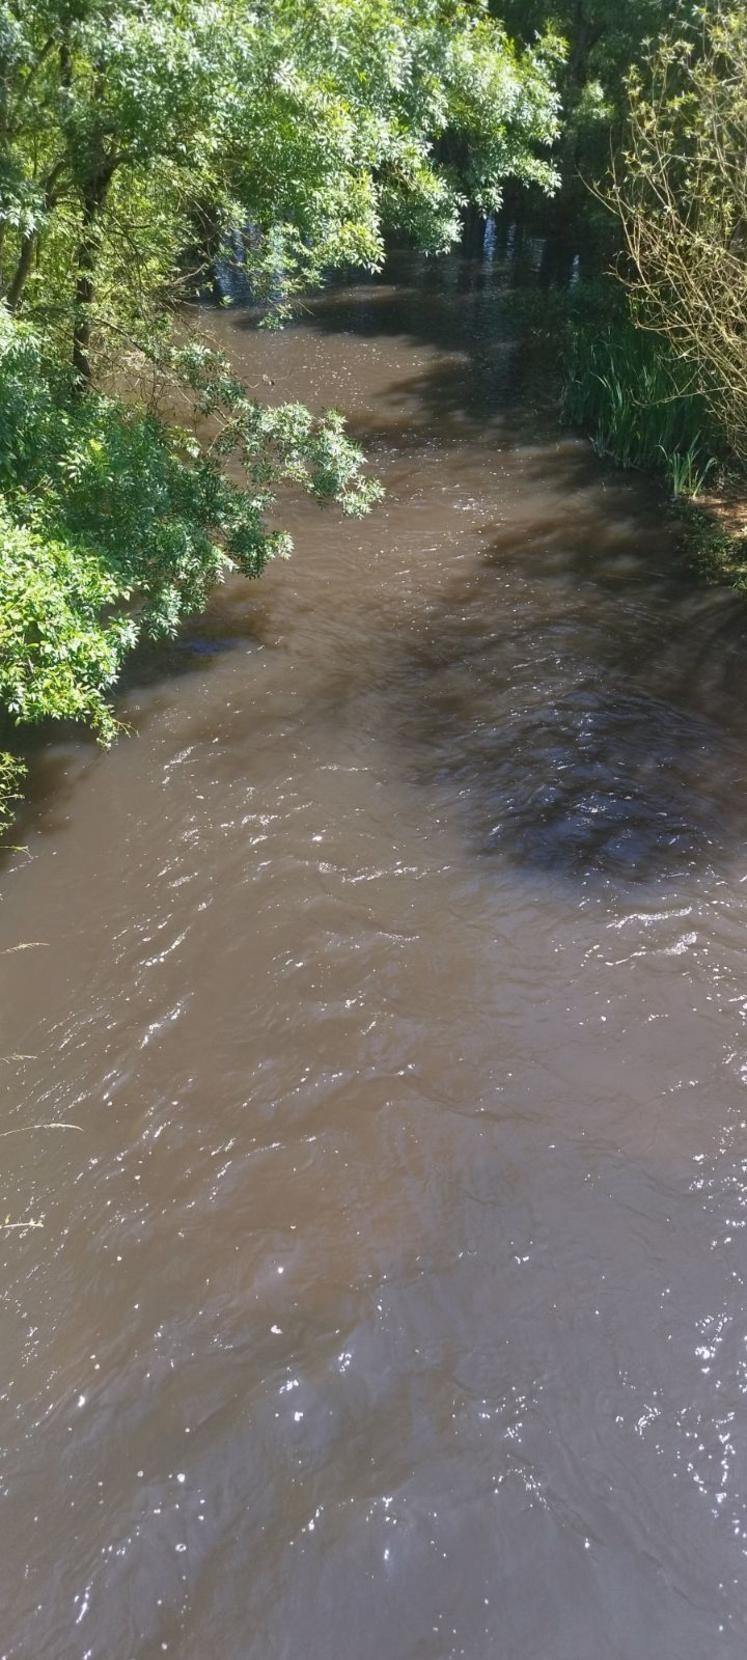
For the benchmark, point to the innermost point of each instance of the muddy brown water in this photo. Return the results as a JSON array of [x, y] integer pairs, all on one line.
[[390, 1299]]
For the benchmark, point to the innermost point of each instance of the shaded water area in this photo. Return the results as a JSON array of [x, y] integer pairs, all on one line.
[[390, 1300]]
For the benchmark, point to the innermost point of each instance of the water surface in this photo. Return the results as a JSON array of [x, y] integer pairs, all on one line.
[[390, 1299]]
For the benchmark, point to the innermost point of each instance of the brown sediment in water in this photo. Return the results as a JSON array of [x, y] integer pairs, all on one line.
[[391, 1300]]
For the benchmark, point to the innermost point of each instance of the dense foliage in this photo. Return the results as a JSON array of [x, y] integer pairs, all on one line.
[[139, 137], [603, 40], [142, 143]]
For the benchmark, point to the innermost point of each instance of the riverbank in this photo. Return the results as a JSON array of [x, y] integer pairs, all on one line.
[[715, 535]]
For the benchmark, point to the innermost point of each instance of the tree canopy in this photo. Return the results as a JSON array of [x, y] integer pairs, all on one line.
[[136, 138], [602, 40]]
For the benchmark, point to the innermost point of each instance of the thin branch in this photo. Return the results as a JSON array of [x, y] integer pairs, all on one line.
[[25, 1129]]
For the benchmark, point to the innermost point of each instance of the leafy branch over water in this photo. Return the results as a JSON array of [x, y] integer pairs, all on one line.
[[116, 526]]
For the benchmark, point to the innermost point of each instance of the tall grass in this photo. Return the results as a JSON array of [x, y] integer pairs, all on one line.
[[635, 400]]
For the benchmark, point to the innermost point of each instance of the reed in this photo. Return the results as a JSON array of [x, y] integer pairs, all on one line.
[[638, 404]]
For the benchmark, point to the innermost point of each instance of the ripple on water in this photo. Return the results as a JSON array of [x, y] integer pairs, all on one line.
[[390, 1299]]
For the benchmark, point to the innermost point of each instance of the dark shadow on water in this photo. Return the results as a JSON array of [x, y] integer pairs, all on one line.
[[484, 370], [579, 701], [576, 697], [56, 763], [230, 623]]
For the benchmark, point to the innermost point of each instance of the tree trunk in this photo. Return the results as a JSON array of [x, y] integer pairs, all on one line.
[[585, 35], [30, 242], [21, 273], [93, 202], [473, 231]]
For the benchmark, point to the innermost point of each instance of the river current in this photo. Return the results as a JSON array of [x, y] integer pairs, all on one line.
[[390, 1296]]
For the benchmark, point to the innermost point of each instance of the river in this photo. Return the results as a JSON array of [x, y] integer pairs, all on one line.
[[389, 1299]]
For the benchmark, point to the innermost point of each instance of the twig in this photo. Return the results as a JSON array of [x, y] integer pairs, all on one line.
[[23, 1129], [27, 945]]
